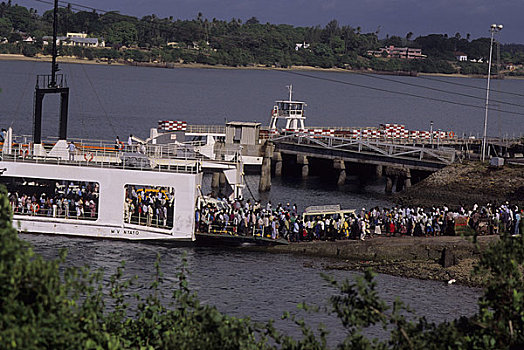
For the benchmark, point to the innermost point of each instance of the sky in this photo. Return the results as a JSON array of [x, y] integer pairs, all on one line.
[[390, 17]]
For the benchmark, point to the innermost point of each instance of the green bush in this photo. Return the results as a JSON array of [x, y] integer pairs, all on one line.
[[29, 51]]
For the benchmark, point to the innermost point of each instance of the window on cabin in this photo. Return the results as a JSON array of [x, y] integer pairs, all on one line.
[[151, 206], [53, 198]]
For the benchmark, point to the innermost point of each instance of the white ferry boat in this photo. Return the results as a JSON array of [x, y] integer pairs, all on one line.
[[102, 189]]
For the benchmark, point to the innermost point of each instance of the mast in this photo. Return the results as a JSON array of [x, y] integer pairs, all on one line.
[[50, 84], [54, 65]]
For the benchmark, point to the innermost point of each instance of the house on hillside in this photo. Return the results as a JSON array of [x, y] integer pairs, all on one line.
[[397, 52], [461, 56], [75, 39], [27, 39]]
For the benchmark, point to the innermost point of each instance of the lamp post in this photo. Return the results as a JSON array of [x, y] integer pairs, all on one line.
[[493, 29], [431, 133]]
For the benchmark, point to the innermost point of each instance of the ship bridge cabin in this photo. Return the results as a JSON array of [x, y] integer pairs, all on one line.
[[292, 111]]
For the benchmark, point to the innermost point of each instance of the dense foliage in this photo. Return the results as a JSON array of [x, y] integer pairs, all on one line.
[[234, 43], [44, 306]]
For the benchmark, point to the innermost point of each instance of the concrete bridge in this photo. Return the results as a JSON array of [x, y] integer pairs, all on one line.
[[395, 161]]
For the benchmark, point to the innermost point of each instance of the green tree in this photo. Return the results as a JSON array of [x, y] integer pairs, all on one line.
[[20, 17], [5, 27], [122, 33]]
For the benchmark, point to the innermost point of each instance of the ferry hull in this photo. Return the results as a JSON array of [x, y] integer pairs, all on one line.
[[91, 230]]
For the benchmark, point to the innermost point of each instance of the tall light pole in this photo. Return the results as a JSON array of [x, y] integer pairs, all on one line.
[[493, 29], [431, 133]]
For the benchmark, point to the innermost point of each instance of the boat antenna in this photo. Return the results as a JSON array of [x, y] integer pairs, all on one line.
[[290, 89], [54, 65]]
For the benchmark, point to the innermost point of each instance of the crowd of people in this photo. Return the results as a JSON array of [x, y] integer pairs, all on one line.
[[285, 221], [70, 200], [149, 206]]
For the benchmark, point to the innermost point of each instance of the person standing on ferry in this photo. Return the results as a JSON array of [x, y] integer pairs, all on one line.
[[72, 149]]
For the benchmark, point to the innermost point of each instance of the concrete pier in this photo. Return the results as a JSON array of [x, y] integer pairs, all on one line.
[[303, 160], [340, 165], [265, 172], [379, 171], [407, 180], [389, 184], [277, 157], [215, 180]]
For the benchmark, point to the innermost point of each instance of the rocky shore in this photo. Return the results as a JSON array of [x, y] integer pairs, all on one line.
[[442, 258], [466, 184]]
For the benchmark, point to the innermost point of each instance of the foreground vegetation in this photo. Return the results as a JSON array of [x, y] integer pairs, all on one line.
[[234, 43], [45, 306]]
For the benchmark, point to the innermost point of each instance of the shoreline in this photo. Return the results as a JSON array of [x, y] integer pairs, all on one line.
[[441, 258], [172, 65]]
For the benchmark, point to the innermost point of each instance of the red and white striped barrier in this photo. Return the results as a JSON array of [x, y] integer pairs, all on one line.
[[172, 125]]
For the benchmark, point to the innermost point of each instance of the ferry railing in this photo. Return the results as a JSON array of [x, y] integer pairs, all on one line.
[[161, 158], [174, 157], [206, 129], [34, 209], [231, 230], [142, 219], [225, 229]]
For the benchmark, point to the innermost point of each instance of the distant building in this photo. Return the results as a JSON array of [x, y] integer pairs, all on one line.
[[76, 35], [27, 39], [398, 52], [303, 45], [75, 39], [85, 42], [461, 56]]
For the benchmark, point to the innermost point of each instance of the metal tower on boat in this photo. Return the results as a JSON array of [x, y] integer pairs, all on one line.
[[51, 84], [291, 111]]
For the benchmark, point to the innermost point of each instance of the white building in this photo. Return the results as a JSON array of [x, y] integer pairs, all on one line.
[[461, 56]]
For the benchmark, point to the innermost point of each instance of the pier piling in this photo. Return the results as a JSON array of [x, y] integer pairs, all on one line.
[[303, 160], [215, 180], [341, 166], [277, 157], [265, 172]]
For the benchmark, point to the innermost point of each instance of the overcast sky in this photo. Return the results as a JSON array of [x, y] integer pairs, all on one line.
[[393, 17]]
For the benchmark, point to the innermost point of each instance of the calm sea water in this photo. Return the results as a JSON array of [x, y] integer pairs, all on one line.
[[257, 285], [117, 100], [107, 101]]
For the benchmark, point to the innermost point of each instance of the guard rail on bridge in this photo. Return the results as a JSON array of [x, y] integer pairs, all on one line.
[[331, 147]]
